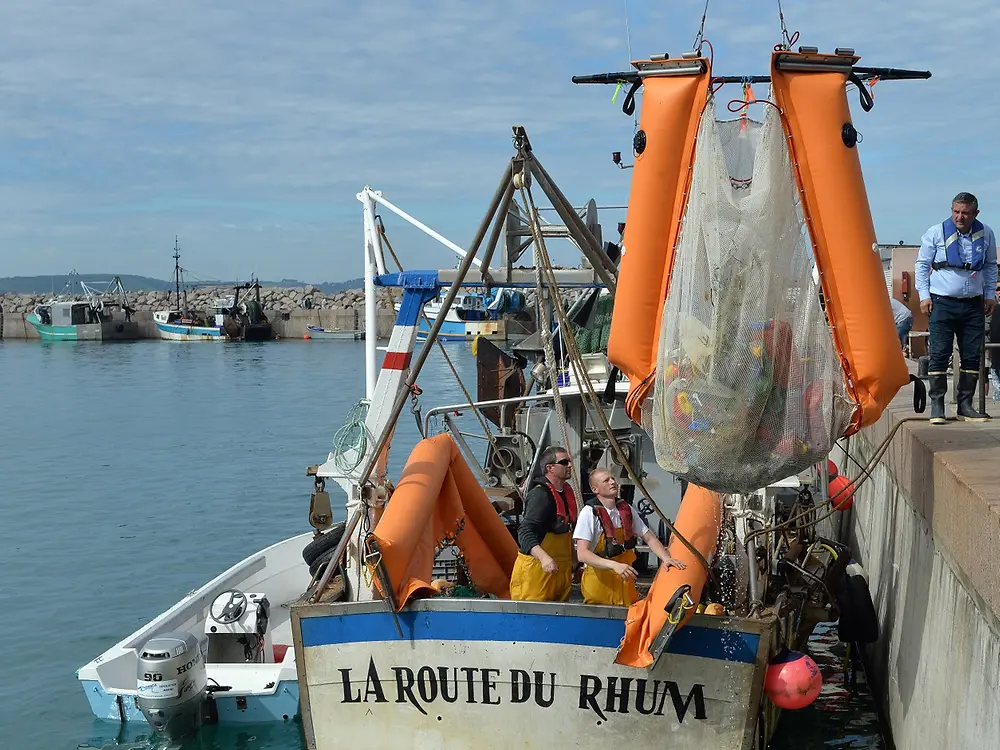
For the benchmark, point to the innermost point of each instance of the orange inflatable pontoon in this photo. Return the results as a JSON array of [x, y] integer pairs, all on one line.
[[827, 167], [438, 498], [672, 103], [810, 90], [698, 520]]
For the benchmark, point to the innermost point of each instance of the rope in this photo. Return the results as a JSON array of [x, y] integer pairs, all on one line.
[[451, 366], [701, 29], [569, 339], [353, 436], [853, 486], [546, 331], [786, 40]]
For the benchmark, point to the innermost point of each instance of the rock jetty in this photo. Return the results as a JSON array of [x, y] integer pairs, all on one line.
[[272, 298]]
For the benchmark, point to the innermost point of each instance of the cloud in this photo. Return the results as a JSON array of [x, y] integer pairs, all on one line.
[[248, 128]]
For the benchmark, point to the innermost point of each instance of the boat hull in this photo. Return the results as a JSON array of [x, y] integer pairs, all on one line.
[[321, 334], [176, 332], [529, 675], [458, 330], [260, 691], [113, 330]]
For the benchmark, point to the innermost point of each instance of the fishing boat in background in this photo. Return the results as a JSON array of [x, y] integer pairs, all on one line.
[[333, 334], [82, 312], [468, 317], [229, 319]]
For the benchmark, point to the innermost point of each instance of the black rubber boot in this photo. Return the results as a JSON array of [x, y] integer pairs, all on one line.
[[966, 390], [938, 382]]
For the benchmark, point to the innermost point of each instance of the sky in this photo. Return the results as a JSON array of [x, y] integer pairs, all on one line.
[[247, 128]]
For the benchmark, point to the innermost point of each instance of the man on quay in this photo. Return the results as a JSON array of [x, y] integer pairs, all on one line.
[[961, 291], [605, 537], [904, 320], [543, 571]]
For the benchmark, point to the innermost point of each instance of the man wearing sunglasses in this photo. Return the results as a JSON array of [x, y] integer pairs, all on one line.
[[543, 571]]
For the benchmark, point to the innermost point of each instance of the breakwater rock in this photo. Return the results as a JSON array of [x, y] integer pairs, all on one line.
[[272, 298]]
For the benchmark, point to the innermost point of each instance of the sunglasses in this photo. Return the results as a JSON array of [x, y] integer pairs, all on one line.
[[562, 462]]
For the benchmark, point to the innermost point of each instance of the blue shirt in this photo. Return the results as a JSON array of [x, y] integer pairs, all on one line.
[[900, 312], [955, 282]]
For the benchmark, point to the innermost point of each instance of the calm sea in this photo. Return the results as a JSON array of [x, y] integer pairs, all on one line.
[[132, 473]]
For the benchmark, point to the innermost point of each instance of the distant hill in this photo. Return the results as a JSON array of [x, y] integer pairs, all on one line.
[[50, 284]]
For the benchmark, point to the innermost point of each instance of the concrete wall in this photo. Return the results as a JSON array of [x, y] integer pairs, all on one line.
[[926, 527], [291, 324]]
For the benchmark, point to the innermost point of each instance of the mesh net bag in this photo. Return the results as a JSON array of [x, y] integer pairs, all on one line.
[[748, 387]]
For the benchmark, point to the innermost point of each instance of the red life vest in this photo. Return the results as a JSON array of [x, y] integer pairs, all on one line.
[[612, 548], [565, 505]]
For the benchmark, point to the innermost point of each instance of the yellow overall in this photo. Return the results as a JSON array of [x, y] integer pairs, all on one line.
[[606, 586], [529, 583]]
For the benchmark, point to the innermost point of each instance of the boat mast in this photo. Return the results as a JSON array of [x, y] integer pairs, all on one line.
[[177, 274]]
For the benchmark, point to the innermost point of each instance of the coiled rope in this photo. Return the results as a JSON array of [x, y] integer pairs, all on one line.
[[352, 437]]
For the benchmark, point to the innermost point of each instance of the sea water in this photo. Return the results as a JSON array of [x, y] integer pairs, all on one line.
[[132, 473]]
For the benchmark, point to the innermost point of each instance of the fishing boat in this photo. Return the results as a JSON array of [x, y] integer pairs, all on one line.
[[334, 334], [84, 312], [466, 319], [229, 319], [406, 630]]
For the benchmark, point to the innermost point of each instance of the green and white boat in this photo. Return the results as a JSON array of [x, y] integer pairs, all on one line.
[[89, 315]]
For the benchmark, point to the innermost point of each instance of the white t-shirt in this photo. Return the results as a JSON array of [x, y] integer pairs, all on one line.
[[588, 525]]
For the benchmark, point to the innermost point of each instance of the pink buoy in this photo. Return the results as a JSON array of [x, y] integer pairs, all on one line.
[[841, 493], [793, 680]]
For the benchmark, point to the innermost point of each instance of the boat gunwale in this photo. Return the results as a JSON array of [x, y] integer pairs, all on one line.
[[301, 609]]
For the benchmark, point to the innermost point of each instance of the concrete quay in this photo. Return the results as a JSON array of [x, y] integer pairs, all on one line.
[[926, 528]]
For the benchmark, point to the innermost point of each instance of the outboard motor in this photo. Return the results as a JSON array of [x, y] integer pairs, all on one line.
[[172, 682]]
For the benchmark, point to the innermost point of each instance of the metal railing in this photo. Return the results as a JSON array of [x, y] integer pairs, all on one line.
[[984, 368]]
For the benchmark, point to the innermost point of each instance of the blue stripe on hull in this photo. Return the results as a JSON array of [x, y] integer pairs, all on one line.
[[192, 332], [515, 627]]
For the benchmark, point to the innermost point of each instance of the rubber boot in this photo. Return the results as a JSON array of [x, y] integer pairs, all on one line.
[[938, 382], [966, 390]]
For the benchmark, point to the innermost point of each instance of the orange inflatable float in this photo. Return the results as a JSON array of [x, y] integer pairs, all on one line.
[[438, 498], [698, 520], [811, 91], [674, 97], [734, 235]]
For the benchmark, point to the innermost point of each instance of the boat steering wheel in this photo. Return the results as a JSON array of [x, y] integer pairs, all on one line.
[[232, 610]]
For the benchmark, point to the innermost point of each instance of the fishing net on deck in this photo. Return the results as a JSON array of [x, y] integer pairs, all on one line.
[[748, 387]]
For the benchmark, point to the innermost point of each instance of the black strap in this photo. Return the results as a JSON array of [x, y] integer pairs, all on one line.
[[609, 389], [628, 106], [865, 95], [963, 267], [919, 394]]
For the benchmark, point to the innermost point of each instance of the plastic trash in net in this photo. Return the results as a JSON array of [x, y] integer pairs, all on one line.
[[748, 389]]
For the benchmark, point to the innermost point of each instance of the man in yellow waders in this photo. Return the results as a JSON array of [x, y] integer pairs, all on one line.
[[605, 538], [543, 571]]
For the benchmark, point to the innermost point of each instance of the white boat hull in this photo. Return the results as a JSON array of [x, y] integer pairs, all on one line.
[[526, 675], [260, 692]]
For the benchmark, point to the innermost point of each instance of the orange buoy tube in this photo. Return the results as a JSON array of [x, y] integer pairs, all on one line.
[[671, 110], [698, 520], [811, 92], [438, 497]]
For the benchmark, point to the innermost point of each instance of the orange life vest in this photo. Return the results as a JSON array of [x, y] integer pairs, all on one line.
[[612, 548], [565, 508]]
